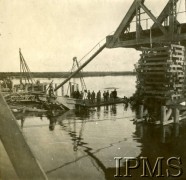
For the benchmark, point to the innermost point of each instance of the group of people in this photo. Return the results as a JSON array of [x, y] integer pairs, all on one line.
[[93, 96], [111, 96], [106, 96], [6, 83], [77, 94]]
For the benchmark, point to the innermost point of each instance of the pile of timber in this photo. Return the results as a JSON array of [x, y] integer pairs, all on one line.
[[161, 71]]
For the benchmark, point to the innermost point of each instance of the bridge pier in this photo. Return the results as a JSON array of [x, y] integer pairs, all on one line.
[[160, 81]]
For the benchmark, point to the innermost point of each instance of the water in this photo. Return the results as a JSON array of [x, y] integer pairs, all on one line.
[[83, 145]]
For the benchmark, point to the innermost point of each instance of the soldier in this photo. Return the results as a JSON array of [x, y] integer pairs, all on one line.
[[111, 95], [89, 96], [98, 96], [104, 96], [81, 95], [114, 94], [77, 94], [107, 95], [93, 95]]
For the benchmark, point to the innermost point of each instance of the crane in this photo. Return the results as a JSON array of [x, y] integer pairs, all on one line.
[[161, 70]]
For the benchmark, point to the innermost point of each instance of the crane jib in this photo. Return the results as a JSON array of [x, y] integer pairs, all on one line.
[[81, 67]]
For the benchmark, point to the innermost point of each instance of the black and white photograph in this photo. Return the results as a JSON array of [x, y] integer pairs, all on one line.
[[92, 89]]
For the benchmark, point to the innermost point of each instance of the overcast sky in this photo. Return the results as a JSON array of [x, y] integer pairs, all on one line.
[[51, 32]]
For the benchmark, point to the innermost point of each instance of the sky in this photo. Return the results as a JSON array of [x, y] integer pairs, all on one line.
[[51, 32]]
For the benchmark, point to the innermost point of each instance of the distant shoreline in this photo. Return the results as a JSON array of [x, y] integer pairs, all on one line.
[[66, 74]]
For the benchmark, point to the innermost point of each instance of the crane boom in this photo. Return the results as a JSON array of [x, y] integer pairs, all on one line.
[[81, 67]]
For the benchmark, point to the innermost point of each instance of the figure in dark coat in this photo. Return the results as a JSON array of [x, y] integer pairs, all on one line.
[[93, 95], [89, 96], [98, 96]]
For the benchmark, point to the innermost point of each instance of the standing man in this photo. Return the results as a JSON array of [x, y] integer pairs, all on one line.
[[98, 96], [114, 94], [89, 96], [104, 96], [81, 95], [107, 95], [93, 97]]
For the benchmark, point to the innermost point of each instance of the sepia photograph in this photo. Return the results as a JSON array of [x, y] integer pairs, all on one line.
[[92, 89]]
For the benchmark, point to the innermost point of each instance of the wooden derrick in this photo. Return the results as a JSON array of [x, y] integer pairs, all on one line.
[[161, 72]]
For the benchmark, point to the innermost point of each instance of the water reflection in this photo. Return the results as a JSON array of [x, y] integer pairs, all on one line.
[[52, 123], [160, 141], [150, 140], [75, 126], [113, 109], [74, 132], [52, 119], [105, 111], [161, 134], [126, 105], [23, 117], [98, 112], [156, 141]]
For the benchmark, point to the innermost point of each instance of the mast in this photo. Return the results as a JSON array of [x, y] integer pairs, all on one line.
[[24, 69]]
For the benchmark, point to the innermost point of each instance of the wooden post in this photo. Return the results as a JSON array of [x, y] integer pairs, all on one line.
[[70, 87], [145, 112], [140, 128], [163, 114], [176, 115], [141, 107], [176, 130], [163, 134]]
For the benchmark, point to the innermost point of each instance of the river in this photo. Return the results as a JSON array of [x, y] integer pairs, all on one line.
[[76, 146]]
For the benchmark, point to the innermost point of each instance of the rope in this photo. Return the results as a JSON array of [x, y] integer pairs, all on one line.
[[89, 52], [94, 47]]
